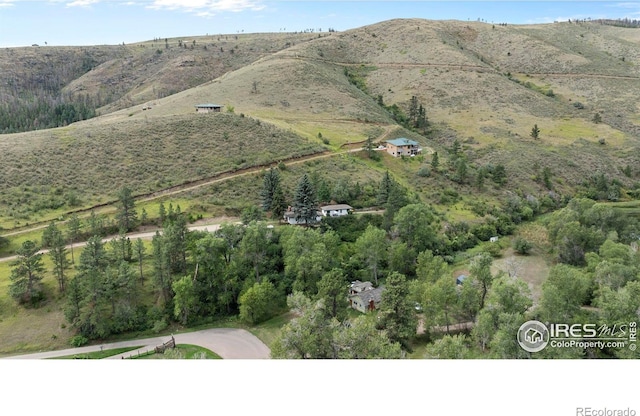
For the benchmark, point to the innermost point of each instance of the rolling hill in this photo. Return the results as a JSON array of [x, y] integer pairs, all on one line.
[[483, 85]]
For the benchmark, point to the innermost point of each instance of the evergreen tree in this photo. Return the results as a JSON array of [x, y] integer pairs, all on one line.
[[413, 109], [535, 132], [162, 214], [278, 203], [435, 161], [162, 274], [175, 235], [26, 274], [397, 315], [385, 189], [58, 253], [271, 184], [499, 175], [140, 250], [304, 202], [597, 118], [74, 226], [126, 214]]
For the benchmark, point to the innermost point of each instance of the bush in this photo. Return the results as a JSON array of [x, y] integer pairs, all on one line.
[[159, 326], [424, 172], [79, 341], [494, 249], [522, 246]]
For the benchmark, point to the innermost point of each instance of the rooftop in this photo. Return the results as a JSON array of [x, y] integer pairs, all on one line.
[[208, 105], [370, 294], [402, 142], [335, 207]]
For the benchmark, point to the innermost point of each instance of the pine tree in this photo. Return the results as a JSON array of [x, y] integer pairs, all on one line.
[[435, 161], [26, 274], [74, 232], [304, 202], [278, 203], [413, 109], [126, 214], [535, 132], [58, 253], [597, 118], [385, 189], [270, 184]]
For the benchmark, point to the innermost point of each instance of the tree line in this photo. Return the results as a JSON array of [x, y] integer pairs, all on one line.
[[255, 271]]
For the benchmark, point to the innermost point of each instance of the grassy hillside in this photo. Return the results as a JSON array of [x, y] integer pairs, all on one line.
[[39, 84], [85, 164], [481, 84], [287, 95]]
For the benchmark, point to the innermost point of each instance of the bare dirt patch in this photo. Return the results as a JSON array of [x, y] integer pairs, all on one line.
[[533, 269]]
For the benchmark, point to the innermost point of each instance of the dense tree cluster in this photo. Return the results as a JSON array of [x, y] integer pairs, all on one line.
[[256, 271]]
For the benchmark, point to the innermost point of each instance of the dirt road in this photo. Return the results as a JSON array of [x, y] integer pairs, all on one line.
[[132, 236]]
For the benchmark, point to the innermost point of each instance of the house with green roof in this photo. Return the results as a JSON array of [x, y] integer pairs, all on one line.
[[403, 147]]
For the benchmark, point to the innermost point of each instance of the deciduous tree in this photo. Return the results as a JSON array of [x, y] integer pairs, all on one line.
[[332, 288], [185, 299], [371, 246], [259, 303]]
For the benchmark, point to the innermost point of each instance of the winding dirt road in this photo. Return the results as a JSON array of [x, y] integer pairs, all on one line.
[[145, 235]]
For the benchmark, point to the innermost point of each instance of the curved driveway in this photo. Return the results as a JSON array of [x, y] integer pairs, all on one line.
[[226, 342]]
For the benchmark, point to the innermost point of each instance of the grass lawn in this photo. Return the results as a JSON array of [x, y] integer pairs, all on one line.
[[97, 355], [268, 331]]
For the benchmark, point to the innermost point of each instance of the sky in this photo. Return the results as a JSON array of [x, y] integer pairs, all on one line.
[[98, 22]]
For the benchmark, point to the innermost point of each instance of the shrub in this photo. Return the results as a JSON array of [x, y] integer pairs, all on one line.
[[424, 172], [159, 326], [494, 249], [79, 341], [522, 246]]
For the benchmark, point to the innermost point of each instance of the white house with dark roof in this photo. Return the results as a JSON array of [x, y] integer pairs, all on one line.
[[290, 217], [208, 108], [403, 147], [336, 210]]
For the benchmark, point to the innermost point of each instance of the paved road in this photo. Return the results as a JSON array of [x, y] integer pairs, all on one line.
[[229, 343]]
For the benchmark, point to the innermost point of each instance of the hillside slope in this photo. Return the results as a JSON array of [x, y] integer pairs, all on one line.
[[485, 86]]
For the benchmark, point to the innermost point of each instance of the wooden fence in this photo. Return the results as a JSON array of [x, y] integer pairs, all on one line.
[[169, 344], [160, 349]]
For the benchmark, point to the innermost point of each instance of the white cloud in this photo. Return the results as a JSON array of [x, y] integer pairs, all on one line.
[[208, 7], [82, 3], [6, 3]]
